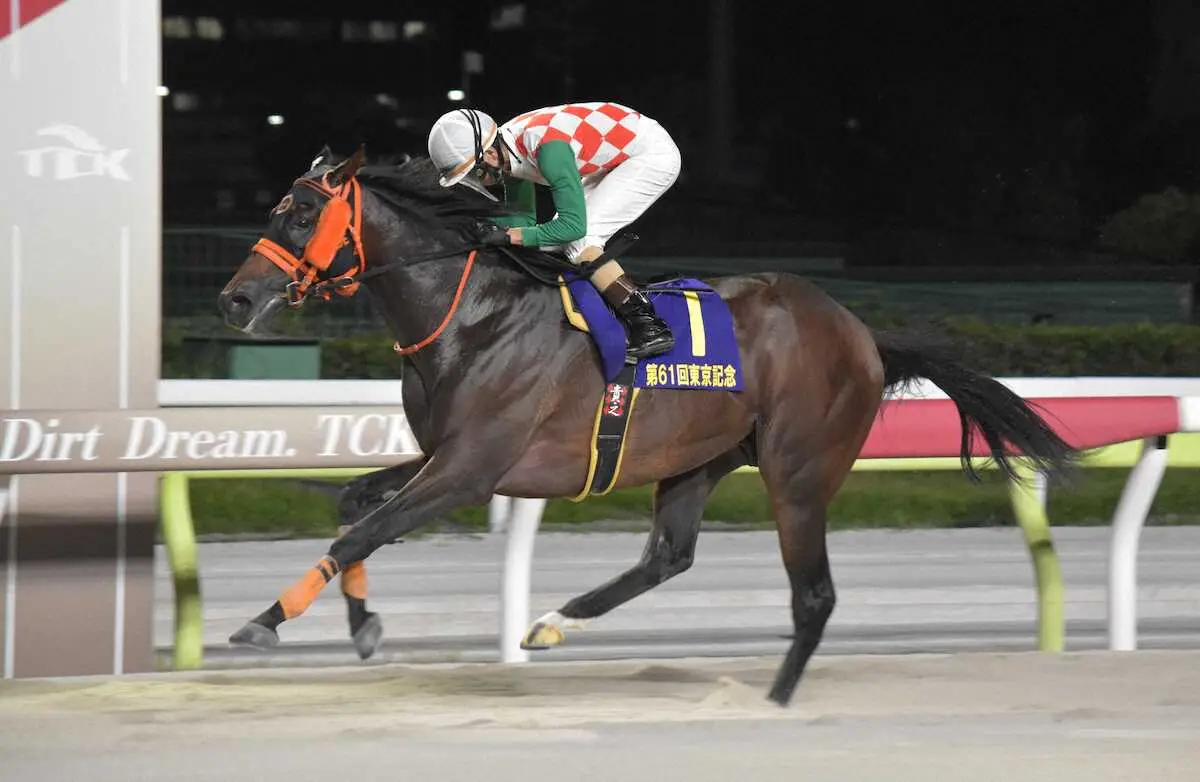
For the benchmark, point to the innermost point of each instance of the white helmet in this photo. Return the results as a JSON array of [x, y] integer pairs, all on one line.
[[456, 145]]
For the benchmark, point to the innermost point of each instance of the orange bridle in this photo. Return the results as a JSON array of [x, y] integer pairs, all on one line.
[[340, 223]]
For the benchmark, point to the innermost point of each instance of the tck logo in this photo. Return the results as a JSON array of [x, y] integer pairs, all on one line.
[[79, 155]]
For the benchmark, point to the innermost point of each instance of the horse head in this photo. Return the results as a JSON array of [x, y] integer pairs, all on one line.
[[312, 244], [336, 215]]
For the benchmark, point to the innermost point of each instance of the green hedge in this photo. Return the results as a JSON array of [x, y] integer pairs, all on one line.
[[1069, 351], [900, 500], [1000, 350], [997, 349]]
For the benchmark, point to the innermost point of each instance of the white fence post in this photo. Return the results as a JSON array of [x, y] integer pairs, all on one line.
[[1128, 520], [498, 511], [522, 526]]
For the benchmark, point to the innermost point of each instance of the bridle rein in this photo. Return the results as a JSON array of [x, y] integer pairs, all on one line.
[[339, 224]]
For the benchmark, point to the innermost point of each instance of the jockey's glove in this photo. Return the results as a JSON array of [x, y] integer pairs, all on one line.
[[490, 234]]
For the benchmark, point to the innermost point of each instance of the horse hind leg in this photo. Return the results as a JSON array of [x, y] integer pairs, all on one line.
[[800, 487], [801, 524], [678, 507]]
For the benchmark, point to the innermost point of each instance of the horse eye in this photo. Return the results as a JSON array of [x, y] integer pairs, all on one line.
[[302, 216]]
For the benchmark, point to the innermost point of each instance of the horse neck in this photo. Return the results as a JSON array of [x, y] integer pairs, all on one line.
[[414, 299]]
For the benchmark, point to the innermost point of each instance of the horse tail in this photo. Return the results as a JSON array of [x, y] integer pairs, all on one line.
[[984, 404]]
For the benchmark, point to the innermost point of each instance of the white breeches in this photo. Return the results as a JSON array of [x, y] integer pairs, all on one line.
[[616, 198]]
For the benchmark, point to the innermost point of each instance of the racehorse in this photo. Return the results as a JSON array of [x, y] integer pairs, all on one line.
[[501, 394]]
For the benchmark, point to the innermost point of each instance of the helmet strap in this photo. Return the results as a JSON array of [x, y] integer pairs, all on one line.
[[480, 163]]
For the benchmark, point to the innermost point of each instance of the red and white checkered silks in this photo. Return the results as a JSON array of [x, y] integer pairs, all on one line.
[[600, 132], [626, 160]]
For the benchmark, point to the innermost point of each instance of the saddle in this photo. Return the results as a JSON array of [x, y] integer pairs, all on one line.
[[705, 356]]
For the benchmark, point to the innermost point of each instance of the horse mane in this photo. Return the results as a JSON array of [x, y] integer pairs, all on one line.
[[410, 184]]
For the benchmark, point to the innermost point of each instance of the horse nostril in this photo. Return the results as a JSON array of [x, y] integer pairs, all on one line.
[[235, 303]]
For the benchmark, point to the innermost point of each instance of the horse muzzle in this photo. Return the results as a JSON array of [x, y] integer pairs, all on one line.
[[249, 305]]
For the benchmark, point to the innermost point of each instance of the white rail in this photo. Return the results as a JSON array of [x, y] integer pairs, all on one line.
[[210, 393], [1127, 523]]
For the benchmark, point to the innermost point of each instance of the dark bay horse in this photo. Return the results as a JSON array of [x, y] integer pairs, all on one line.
[[501, 394]]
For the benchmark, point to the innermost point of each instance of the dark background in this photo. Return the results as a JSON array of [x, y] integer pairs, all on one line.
[[1011, 139]]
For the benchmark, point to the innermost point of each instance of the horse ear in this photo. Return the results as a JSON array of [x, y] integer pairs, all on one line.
[[322, 156], [348, 167]]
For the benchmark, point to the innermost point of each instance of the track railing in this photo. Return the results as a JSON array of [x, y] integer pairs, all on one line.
[[1125, 427]]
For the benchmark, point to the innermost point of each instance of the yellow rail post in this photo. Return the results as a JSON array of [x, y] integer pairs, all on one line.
[[1031, 515], [179, 538]]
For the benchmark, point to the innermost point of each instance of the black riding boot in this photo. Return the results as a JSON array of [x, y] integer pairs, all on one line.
[[648, 333]]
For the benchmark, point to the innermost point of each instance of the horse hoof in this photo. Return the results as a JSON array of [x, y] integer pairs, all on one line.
[[255, 636], [542, 636], [367, 637], [546, 631]]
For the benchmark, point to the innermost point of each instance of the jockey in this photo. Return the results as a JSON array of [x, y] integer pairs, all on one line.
[[604, 163]]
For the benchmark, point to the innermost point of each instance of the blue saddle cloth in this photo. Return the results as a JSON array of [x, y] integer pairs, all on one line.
[[705, 356]]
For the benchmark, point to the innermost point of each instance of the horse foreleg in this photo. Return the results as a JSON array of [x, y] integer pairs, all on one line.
[[461, 473], [366, 629], [359, 497], [678, 507]]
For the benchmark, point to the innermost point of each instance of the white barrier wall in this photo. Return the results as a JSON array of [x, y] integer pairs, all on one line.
[[80, 236]]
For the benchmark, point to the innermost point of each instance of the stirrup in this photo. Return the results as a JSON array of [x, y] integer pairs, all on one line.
[[655, 347], [636, 311], [658, 341]]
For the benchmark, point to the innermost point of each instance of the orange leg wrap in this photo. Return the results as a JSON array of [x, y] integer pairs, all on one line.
[[301, 595], [354, 581]]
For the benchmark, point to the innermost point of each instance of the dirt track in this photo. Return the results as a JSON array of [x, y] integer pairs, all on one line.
[[1095, 716]]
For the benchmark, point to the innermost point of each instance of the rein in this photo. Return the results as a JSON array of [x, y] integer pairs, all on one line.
[[340, 224], [587, 266], [462, 283]]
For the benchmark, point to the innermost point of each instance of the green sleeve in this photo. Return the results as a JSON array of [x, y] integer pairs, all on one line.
[[556, 159], [521, 197]]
